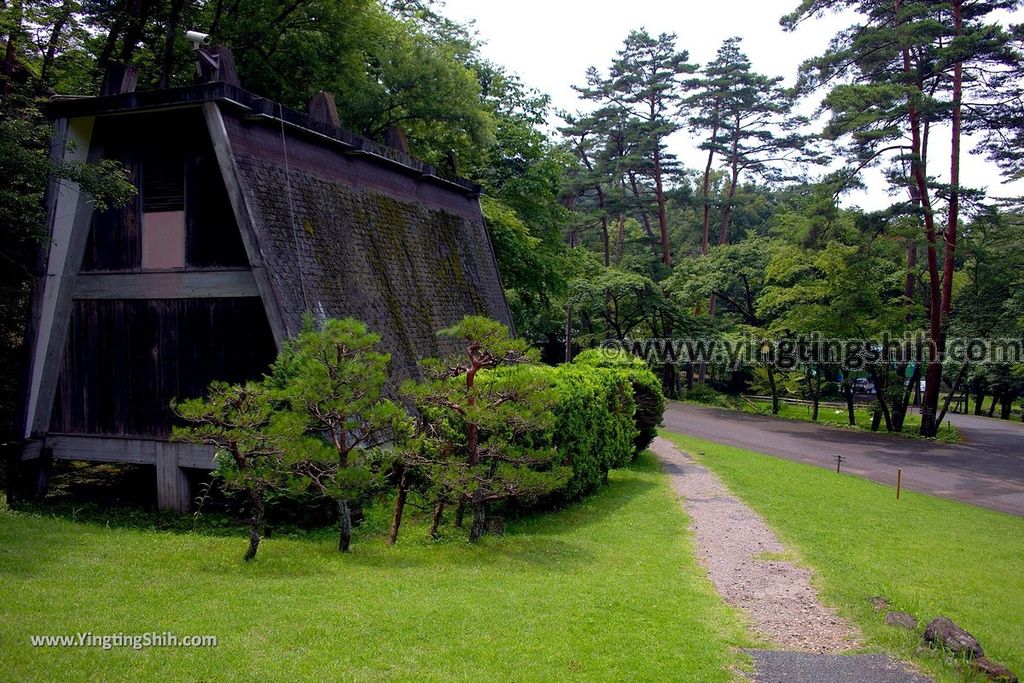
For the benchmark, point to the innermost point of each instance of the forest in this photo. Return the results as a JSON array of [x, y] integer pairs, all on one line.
[[601, 233]]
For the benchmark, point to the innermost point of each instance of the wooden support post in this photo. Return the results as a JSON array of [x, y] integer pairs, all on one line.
[[899, 476], [172, 488], [41, 480], [12, 461]]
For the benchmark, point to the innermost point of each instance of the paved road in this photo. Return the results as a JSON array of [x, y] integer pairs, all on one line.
[[772, 666], [987, 469]]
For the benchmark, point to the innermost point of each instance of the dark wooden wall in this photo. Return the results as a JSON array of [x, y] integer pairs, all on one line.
[[171, 161], [126, 360]]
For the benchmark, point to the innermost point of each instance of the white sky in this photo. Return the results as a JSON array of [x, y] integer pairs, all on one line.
[[551, 43]]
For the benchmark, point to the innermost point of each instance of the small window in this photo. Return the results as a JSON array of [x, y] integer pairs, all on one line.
[[163, 210], [163, 239]]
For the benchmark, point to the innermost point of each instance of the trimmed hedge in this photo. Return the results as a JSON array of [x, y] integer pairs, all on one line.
[[650, 401], [593, 427], [594, 424], [598, 424]]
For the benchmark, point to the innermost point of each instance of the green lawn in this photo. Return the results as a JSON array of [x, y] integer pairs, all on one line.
[[607, 589], [839, 417], [927, 555]]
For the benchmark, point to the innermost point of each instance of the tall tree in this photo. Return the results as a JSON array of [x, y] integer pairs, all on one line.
[[748, 120], [893, 78], [645, 82]]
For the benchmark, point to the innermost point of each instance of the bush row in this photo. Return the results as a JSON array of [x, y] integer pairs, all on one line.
[[606, 411]]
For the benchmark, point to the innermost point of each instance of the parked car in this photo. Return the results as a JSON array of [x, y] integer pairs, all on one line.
[[863, 385]]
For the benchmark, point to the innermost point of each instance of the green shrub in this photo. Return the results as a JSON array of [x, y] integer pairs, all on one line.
[[650, 401], [593, 429]]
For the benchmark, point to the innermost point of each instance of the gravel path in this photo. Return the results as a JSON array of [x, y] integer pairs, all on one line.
[[731, 539]]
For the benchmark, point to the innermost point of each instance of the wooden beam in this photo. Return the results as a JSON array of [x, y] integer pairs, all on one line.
[[32, 449], [203, 284], [243, 216], [72, 215], [25, 405], [126, 450]]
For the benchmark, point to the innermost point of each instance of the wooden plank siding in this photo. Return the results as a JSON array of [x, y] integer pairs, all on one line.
[[126, 359]]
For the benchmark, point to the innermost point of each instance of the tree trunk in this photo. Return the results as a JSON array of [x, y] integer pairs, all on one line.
[[51, 47], [979, 401], [734, 166], [620, 236], [848, 390], [900, 414], [396, 519], [705, 187], [940, 317], [774, 389], [435, 521], [992, 408], [138, 15], [460, 512], [882, 403], [255, 524], [817, 393], [605, 240], [659, 195], [479, 526], [1006, 406], [933, 378], [11, 53], [957, 381], [344, 526], [167, 64]]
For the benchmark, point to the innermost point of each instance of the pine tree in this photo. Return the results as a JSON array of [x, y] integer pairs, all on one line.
[[330, 384], [645, 84], [476, 413], [893, 78]]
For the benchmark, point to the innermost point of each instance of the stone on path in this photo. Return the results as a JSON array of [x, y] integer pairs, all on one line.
[[994, 670]]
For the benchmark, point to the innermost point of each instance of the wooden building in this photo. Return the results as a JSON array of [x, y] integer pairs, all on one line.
[[248, 216]]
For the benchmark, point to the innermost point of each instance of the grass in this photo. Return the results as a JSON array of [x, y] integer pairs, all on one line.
[[607, 589], [827, 415], [839, 417], [926, 555]]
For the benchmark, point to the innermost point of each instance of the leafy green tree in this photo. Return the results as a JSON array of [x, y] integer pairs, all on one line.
[[331, 383], [748, 120], [475, 420], [892, 78], [622, 301], [645, 83], [27, 168], [239, 421]]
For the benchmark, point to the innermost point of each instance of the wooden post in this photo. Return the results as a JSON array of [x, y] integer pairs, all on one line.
[[899, 476], [12, 461], [172, 489], [41, 481]]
